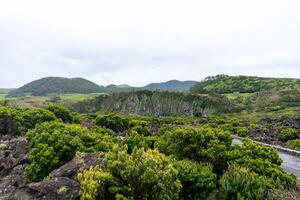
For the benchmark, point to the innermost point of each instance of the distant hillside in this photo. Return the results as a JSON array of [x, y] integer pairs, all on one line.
[[223, 84], [120, 88], [56, 85], [155, 103], [172, 85], [5, 90]]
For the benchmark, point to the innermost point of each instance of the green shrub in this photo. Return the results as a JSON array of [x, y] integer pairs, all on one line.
[[203, 145], [295, 144], [141, 175], [114, 122], [197, 180], [242, 131], [288, 134], [63, 113], [262, 160], [9, 121], [17, 121], [31, 117], [140, 126], [133, 139], [54, 143], [239, 183]]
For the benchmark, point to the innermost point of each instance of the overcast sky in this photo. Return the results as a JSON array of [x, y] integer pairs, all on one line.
[[141, 41]]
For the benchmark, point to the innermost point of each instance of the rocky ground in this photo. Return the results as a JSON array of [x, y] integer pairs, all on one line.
[[62, 184], [269, 134]]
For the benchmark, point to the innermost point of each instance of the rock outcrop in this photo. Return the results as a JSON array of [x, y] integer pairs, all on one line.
[[62, 184]]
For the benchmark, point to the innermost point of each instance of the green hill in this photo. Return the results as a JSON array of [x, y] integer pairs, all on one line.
[[223, 84], [172, 85], [56, 85]]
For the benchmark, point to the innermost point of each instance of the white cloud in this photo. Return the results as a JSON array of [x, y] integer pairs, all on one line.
[[140, 41]]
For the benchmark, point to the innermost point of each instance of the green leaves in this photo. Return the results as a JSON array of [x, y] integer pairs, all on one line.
[[202, 145], [197, 180], [17, 121], [54, 143], [63, 113], [264, 161], [240, 183], [288, 134], [140, 175]]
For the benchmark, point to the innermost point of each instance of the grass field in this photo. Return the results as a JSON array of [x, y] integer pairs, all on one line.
[[2, 96], [42, 101], [78, 97]]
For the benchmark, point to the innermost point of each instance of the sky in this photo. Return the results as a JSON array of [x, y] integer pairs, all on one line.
[[136, 42]]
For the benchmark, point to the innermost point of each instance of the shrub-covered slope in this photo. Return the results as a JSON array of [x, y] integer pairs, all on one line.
[[155, 103], [57, 85], [223, 84]]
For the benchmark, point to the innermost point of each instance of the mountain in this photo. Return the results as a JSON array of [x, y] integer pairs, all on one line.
[[5, 90], [119, 88], [56, 85], [224, 84], [172, 85], [59, 85]]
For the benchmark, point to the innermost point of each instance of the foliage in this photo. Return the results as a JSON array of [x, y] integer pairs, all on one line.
[[295, 144], [63, 113], [134, 139], [54, 143], [288, 134], [140, 126], [32, 116], [222, 84], [262, 160], [239, 183], [9, 121], [202, 145], [197, 180], [156, 103], [141, 175], [114, 122], [17, 121]]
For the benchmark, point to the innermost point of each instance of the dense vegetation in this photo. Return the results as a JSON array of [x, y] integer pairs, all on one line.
[[56, 85], [155, 103], [166, 145], [223, 84], [148, 157]]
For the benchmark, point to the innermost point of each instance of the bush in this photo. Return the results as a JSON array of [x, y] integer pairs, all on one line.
[[113, 122], [240, 183], [242, 131], [202, 145], [140, 126], [295, 144], [17, 121], [141, 175], [288, 134], [197, 180], [31, 117], [9, 121], [133, 139], [54, 143], [63, 113], [264, 161]]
